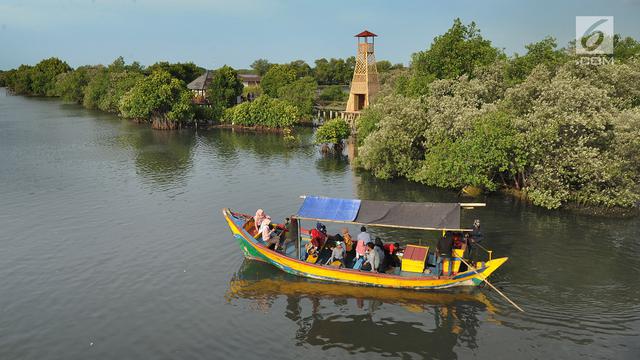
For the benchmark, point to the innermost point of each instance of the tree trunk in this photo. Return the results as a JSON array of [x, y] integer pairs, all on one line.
[[160, 122]]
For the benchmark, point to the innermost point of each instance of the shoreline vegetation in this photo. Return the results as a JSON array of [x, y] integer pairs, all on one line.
[[158, 95], [545, 126]]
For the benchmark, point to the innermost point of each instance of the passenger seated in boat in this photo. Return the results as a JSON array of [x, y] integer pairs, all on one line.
[[337, 255], [361, 245], [460, 242], [268, 233], [445, 245], [318, 238], [379, 248], [391, 259], [457, 241], [350, 250], [260, 216], [372, 262], [319, 235]]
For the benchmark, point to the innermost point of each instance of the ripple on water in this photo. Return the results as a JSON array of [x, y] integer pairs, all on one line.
[[112, 235]]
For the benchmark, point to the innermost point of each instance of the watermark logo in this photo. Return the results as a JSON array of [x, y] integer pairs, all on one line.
[[594, 35]]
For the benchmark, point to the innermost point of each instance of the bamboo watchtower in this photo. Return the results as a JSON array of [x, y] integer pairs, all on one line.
[[365, 76]]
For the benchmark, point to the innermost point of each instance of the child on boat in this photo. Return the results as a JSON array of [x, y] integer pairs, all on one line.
[[337, 254]]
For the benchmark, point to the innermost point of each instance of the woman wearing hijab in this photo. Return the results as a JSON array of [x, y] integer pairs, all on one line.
[[268, 235], [260, 216]]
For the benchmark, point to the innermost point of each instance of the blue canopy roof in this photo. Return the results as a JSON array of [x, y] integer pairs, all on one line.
[[324, 208]]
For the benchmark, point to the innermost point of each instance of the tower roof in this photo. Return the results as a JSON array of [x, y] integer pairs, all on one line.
[[366, 33]]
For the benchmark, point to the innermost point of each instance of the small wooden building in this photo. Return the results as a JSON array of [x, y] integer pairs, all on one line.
[[199, 87], [249, 79]]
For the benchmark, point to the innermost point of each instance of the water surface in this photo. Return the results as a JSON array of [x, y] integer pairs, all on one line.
[[112, 245]]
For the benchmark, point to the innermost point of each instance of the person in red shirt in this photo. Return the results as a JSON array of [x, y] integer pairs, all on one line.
[[319, 236]]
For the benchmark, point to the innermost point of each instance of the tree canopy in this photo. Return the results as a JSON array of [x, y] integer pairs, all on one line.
[[277, 77], [224, 90], [158, 96], [458, 51], [186, 72], [261, 66], [300, 93]]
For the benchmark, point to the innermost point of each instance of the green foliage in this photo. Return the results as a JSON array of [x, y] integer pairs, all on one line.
[[625, 47], [396, 147], [277, 77], [224, 90], [459, 51], [43, 76], [96, 89], [333, 93], [301, 67], [490, 150], [261, 66], [543, 52], [565, 134], [21, 81], [333, 132], [255, 90], [300, 93], [118, 84], [70, 85], [383, 66], [264, 111], [158, 95], [368, 121], [334, 71], [572, 122], [119, 65], [186, 72], [107, 85], [413, 84], [38, 80], [205, 113]]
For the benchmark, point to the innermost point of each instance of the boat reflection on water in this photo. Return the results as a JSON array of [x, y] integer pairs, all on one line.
[[361, 319]]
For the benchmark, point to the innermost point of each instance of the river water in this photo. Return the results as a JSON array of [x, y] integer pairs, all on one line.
[[112, 246]]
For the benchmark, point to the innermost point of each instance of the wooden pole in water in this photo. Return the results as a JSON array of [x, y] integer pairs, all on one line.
[[491, 285]]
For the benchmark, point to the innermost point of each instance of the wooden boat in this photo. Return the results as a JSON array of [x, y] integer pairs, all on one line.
[[425, 216]]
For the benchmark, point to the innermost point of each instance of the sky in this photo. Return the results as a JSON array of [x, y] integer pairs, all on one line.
[[213, 33]]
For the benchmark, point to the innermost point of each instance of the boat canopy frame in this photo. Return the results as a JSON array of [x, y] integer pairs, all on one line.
[[380, 214], [390, 214]]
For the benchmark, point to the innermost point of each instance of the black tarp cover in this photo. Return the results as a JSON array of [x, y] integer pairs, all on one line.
[[410, 214]]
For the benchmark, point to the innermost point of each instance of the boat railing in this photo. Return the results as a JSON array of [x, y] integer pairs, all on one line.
[[489, 252]]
